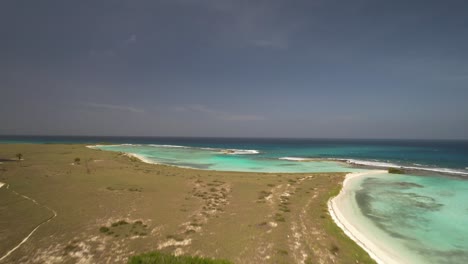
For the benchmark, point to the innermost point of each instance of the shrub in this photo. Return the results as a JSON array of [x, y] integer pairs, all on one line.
[[104, 229], [77, 160], [158, 257], [282, 252], [334, 249], [19, 156], [121, 222], [395, 171]]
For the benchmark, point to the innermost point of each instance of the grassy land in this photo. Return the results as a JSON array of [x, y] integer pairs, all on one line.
[[158, 257], [111, 207]]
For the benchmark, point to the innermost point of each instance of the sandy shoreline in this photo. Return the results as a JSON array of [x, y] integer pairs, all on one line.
[[379, 254]]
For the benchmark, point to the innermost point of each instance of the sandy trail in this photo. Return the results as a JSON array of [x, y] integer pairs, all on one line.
[[379, 254], [34, 230]]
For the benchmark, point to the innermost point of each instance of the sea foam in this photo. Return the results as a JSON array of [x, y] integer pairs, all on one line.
[[381, 164]]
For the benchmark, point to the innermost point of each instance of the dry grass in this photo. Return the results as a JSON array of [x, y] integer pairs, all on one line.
[[182, 211]]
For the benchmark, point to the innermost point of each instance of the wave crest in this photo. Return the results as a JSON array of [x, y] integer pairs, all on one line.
[[219, 150], [382, 164], [240, 151]]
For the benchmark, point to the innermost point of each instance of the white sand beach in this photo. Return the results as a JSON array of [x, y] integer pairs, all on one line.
[[339, 209]]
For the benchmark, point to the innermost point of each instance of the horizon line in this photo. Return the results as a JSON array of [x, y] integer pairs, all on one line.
[[231, 137]]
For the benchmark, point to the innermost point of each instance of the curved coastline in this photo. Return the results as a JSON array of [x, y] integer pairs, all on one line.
[[366, 236], [376, 252], [380, 256]]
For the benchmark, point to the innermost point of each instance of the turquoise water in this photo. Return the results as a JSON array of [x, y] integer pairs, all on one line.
[[426, 216], [218, 159], [432, 156]]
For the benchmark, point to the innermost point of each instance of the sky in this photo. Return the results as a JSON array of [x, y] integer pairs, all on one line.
[[225, 68]]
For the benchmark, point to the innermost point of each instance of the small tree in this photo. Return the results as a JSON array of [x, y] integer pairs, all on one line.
[[19, 156], [77, 160]]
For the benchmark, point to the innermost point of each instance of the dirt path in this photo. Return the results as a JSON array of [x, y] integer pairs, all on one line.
[[34, 230]]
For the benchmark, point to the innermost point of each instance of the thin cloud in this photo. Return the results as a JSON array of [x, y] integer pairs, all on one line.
[[213, 113], [277, 43], [114, 49], [255, 23], [244, 118], [115, 107], [131, 39]]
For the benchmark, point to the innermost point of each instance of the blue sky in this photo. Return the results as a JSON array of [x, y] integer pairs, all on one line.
[[334, 69]]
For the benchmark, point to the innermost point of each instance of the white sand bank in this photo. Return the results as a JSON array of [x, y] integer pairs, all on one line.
[[1, 184], [338, 208]]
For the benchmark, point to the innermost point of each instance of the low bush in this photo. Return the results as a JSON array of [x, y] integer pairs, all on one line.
[[395, 171], [162, 258]]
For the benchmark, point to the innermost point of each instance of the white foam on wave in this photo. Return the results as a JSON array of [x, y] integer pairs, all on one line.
[[167, 146], [225, 151], [295, 159], [241, 151], [219, 150], [372, 163], [393, 165], [381, 164], [99, 146], [141, 157]]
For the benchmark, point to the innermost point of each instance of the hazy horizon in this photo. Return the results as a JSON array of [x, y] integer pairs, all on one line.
[[244, 69], [241, 137]]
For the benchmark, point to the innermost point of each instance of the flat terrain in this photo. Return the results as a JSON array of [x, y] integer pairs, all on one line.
[[110, 206]]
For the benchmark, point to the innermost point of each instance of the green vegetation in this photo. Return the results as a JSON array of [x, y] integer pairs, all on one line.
[[395, 171], [279, 218], [339, 238], [121, 222], [263, 195], [162, 258], [124, 229], [19, 156], [133, 159], [176, 238], [77, 161], [334, 249], [282, 252]]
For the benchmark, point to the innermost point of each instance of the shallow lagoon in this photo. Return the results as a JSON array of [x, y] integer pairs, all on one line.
[[425, 216], [218, 159]]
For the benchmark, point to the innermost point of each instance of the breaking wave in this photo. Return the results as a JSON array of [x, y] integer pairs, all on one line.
[[381, 164], [219, 150]]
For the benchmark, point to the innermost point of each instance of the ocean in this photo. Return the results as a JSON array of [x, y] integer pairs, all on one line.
[[435, 157], [423, 216]]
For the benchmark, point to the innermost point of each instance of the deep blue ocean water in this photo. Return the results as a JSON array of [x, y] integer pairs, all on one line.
[[431, 154]]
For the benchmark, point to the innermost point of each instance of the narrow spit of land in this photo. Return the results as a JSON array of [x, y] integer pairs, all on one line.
[[110, 206]]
